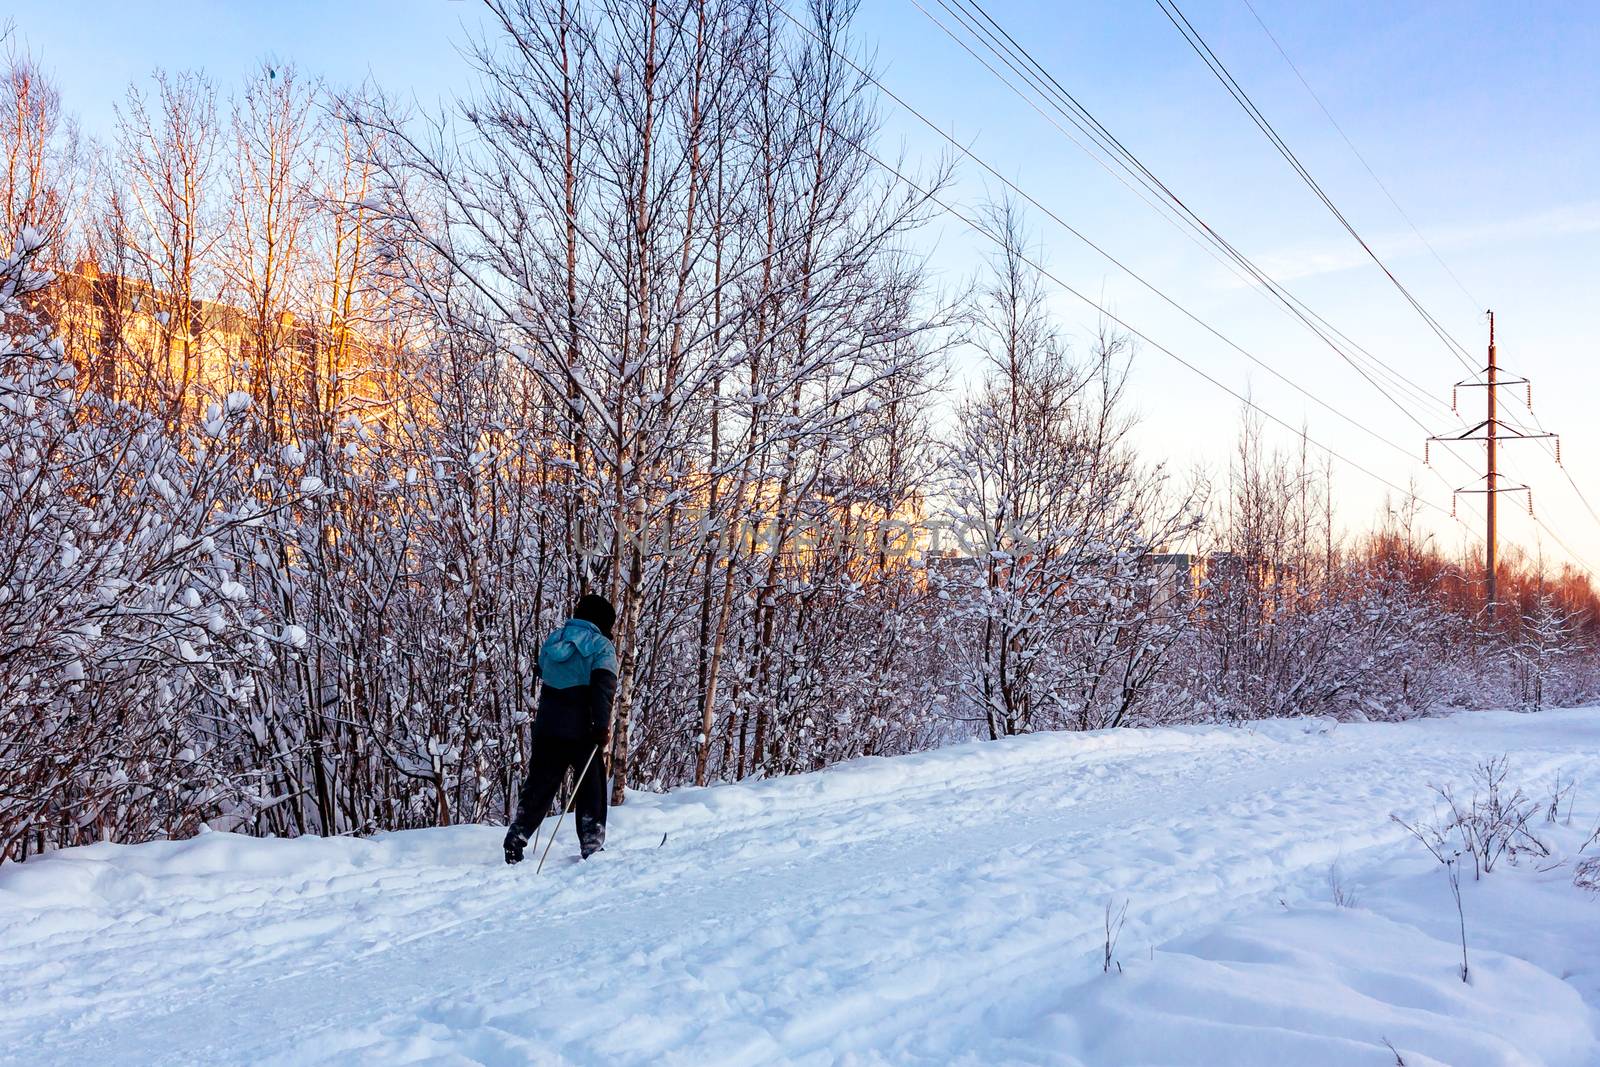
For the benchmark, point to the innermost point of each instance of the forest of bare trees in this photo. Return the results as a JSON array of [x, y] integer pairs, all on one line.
[[318, 411]]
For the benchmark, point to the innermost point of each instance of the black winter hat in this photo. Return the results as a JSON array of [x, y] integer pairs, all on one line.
[[596, 609]]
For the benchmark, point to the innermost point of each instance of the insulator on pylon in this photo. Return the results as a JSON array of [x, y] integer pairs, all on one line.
[[1427, 453], [1453, 392], [1530, 503], [1558, 451], [1529, 401], [1452, 505]]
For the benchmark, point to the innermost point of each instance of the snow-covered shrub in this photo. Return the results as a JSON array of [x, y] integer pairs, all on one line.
[[1493, 825], [1061, 619], [1544, 649], [119, 639], [1291, 621]]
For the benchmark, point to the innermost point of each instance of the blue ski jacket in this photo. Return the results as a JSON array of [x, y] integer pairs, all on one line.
[[578, 665]]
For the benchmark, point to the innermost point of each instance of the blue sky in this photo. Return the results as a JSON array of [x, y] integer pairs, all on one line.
[[1481, 118]]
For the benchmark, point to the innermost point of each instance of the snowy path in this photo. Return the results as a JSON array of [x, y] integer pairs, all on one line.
[[941, 908]]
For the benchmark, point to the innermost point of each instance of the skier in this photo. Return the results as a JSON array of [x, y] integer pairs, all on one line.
[[578, 664]]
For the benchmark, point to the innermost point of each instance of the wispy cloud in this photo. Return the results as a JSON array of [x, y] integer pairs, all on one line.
[[1309, 261]]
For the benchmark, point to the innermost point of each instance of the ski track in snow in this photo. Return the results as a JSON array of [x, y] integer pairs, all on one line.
[[937, 908]]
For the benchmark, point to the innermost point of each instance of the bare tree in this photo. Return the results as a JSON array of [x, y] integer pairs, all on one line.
[[41, 155], [1057, 614], [166, 156], [265, 249]]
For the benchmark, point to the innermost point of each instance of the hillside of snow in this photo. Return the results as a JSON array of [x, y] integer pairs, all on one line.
[[944, 908]]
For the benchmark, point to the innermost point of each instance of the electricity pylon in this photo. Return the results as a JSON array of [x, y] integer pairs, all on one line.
[[1492, 431]]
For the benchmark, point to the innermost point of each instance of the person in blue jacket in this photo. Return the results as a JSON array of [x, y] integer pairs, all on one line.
[[571, 729]]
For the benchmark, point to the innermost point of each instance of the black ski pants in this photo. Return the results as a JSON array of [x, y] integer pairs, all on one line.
[[552, 758]]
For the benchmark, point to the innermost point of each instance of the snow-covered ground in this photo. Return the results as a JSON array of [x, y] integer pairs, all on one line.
[[942, 908]]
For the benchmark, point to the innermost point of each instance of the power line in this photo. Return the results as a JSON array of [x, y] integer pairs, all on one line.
[[1474, 301], [1198, 43], [999, 43], [1538, 521], [1010, 54], [1555, 454], [944, 205], [1577, 559], [1202, 49], [1010, 50], [1101, 251]]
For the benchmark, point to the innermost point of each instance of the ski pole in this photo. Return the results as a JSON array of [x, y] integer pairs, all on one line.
[[570, 801]]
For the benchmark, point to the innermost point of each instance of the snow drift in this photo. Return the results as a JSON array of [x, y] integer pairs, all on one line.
[[948, 907]]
